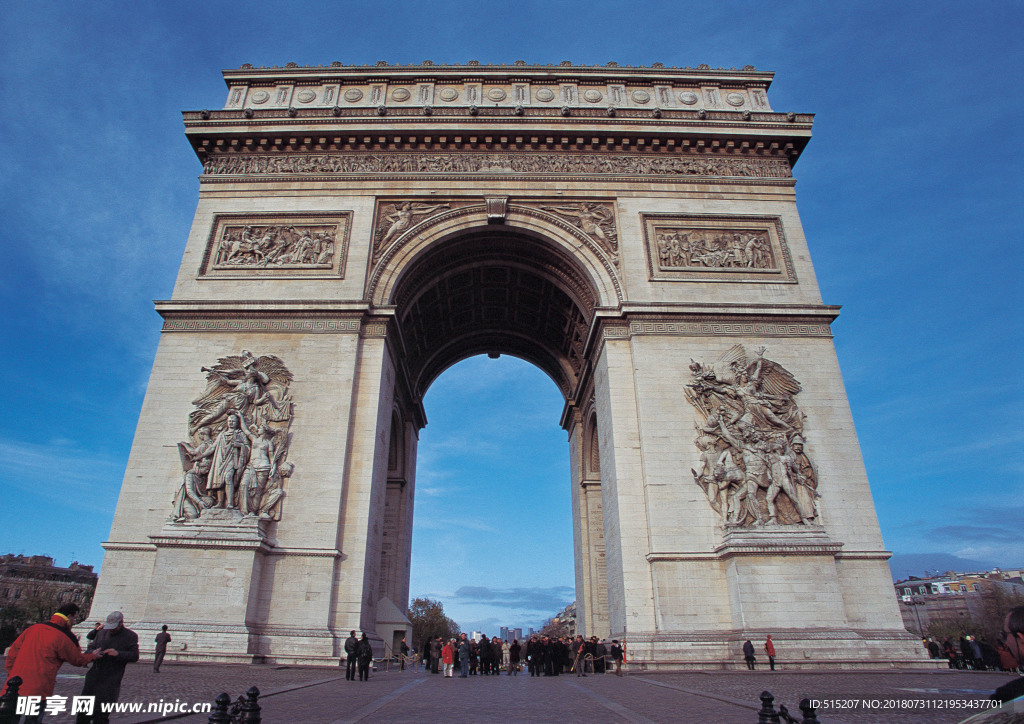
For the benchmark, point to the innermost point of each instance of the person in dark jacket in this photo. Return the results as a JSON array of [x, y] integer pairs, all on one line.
[[435, 654], [486, 655], [496, 655], [351, 656], [118, 646], [600, 657], [474, 657], [748, 654], [617, 656], [514, 652], [365, 657], [463, 657]]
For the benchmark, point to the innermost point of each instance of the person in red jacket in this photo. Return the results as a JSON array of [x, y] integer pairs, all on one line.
[[38, 653]]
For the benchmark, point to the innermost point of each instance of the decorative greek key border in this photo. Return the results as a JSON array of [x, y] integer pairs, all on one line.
[[737, 329], [303, 326]]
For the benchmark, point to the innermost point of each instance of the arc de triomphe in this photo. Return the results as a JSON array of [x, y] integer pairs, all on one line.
[[633, 232]]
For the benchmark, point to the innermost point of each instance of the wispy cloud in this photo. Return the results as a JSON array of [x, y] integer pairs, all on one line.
[[551, 599], [60, 470]]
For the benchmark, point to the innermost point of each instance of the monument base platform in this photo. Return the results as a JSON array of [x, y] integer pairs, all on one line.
[[836, 649]]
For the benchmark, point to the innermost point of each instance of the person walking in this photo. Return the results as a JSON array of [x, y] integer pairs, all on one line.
[[351, 656], [162, 639], [118, 646], [365, 654], [403, 650], [37, 654], [748, 654], [769, 649]]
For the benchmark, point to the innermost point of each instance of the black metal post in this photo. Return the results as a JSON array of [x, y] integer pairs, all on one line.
[[220, 713], [251, 708], [9, 702], [767, 715], [809, 712]]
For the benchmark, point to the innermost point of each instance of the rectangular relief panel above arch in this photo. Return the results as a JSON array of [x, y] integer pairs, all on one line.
[[725, 248], [277, 246]]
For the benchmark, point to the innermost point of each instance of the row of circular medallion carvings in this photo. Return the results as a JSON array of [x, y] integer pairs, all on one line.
[[710, 97]]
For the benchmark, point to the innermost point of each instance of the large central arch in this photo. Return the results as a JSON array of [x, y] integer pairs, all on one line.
[[631, 232], [462, 286]]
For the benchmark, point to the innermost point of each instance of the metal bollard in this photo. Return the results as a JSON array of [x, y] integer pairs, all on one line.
[[767, 715], [809, 712], [9, 702], [250, 713], [220, 713]]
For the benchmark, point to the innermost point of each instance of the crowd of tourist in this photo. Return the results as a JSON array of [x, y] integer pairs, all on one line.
[[539, 656], [971, 652]]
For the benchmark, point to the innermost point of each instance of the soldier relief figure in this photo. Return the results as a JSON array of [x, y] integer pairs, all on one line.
[[236, 456], [679, 249], [753, 468], [276, 246]]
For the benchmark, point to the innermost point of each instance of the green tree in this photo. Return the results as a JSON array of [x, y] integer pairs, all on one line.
[[428, 621]]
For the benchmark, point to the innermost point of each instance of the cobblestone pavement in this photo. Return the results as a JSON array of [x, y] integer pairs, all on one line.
[[322, 696]]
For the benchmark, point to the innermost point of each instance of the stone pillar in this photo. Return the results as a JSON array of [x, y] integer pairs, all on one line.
[[630, 592]]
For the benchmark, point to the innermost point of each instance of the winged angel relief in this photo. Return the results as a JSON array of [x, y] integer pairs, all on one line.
[[236, 456], [753, 468]]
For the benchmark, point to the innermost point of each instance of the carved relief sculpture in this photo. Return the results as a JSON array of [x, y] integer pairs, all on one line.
[[683, 247], [476, 162], [397, 218], [753, 468], [595, 220], [710, 250], [239, 438], [276, 246]]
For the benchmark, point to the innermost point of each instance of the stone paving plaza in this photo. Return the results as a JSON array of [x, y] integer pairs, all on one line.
[[322, 696]]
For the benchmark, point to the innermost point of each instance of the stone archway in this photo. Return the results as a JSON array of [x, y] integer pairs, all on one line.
[[348, 246]]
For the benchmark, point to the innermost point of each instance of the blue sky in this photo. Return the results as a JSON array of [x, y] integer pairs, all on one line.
[[910, 194]]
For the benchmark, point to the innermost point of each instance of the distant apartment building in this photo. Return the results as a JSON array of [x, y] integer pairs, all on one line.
[[952, 596], [27, 577]]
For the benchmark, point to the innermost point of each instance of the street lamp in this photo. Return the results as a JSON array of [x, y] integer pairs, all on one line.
[[908, 601]]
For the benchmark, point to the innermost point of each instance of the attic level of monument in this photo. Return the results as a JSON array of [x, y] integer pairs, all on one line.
[[654, 114]]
